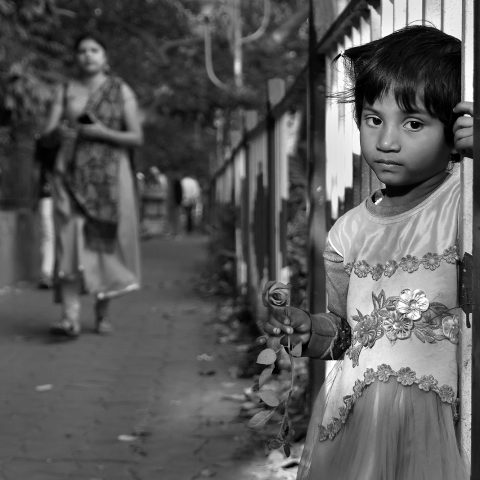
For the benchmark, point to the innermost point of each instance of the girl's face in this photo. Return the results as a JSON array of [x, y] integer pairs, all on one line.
[[91, 56], [402, 148]]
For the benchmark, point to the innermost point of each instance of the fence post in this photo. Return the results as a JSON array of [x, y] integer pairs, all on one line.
[[250, 120], [316, 201], [475, 402], [276, 91]]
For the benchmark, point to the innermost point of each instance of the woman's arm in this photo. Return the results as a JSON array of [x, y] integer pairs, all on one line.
[[56, 110], [131, 137]]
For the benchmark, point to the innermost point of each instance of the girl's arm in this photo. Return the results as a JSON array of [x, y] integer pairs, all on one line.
[[132, 136], [323, 335], [330, 332]]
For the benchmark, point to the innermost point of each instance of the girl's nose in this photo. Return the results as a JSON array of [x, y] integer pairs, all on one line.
[[388, 140]]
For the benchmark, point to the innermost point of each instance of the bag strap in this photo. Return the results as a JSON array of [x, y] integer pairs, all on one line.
[[64, 98]]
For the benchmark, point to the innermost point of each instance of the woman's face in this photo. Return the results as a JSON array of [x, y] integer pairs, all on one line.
[[91, 56]]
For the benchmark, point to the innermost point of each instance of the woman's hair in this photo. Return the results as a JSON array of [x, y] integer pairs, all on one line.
[[414, 63], [90, 35]]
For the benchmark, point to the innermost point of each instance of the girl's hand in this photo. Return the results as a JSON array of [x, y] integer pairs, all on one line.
[[463, 129], [289, 321]]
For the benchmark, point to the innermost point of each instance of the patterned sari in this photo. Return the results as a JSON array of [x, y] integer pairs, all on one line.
[[92, 172]]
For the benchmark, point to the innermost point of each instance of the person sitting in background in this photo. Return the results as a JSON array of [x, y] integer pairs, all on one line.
[[46, 227]]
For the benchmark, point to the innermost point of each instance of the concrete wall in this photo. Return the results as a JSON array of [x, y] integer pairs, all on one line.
[[19, 257]]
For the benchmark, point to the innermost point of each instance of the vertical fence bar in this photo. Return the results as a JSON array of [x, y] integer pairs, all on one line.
[[276, 91], [331, 143], [432, 12], [357, 171], [250, 120], [239, 167], [475, 439], [399, 14], [469, 426], [283, 137], [466, 242], [452, 18], [386, 13], [317, 207], [414, 11]]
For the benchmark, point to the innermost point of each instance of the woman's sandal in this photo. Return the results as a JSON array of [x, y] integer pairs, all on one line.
[[103, 326], [65, 328]]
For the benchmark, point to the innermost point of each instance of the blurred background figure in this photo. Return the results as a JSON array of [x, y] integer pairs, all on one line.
[[46, 225], [96, 217], [191, 202], [174, 205], [154, 203]]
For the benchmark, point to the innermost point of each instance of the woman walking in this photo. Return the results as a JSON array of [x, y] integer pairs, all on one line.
[[96, 217]]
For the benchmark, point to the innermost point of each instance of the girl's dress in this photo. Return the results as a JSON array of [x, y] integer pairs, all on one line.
[[96, 214], [388, 409]]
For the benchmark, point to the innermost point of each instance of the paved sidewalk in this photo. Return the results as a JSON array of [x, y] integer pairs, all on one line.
[[133, 405]]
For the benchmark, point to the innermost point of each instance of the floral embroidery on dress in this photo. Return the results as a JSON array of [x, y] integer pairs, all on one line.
[[405, 376], [398, 317], [409, 263]]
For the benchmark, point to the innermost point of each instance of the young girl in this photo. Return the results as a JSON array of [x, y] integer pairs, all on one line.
[[389, 411]]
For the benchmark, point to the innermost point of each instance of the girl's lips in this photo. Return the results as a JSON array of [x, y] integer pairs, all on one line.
[[387, 162]]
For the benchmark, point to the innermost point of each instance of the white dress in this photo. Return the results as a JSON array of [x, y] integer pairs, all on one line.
[[387, 412]]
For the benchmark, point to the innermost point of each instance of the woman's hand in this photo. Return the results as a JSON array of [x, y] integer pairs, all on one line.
[[290, 321], [463, 129], [67, 132], [93, 131]]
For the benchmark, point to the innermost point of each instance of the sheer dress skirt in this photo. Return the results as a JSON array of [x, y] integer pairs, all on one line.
[[105, 274], [393, 432]]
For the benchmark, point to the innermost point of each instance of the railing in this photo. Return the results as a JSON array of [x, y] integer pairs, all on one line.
[[254, 178], [257, 170]]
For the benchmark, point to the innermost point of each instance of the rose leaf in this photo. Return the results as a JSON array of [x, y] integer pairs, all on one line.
[[260, 418], [270, 398], [265, 375], [297, 350], [267, 357]]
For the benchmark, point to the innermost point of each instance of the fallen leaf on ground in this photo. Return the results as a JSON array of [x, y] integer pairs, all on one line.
[[127, 438], [205, 357], [207, 473], [237, 397], [228, 384], [44, 388]]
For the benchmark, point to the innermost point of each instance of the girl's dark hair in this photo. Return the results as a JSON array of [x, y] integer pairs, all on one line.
[[414, 62], [90, 35]]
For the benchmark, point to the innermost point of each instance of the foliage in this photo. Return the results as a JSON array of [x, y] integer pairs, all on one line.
[[297, 225], [220, 276], [275, 404], [276, 296], [157, 47]]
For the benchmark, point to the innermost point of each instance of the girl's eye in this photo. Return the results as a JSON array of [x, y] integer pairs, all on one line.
[[373, 121], [413, 125]]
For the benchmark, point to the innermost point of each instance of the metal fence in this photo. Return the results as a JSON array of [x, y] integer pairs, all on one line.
[[255, 175]]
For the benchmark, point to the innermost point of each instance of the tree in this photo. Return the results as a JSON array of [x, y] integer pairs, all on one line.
[[157, 47]]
